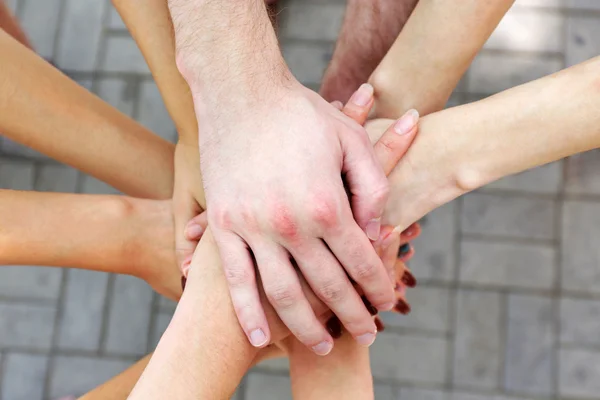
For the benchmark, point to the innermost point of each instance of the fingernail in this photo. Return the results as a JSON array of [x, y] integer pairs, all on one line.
[[409, 231], [373, 228], [183, 282], [258, 337], [409, 279], [379, 325], [407, 122], [370, 307], [402, 307], [363, 95], [404, 249], [385, 306], [194, 231], [366, 339], [323, 348], [334, 327]]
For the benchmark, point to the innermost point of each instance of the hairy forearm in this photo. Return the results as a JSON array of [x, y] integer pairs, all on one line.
[[51, 110], [368, 31], [344, 373], [226, 51], [432, 53]]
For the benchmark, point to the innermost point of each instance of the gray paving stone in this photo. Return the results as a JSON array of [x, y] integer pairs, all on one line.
[[477, 340], [540, 3], [92, 185], [384, 392], [12, 4], [434, 256], [582, 43], [79, 38], [80, 326], [161, 322], [583, 4], [115, 21], [492, 73], [422, 394], [78, 375], [26, 326], [580, 322], [56, 178], [529, 349], [580, 251], [30, 282], [129, 316], [579, 374], [16, 175], [167, 305], [507, 264], [24, 377], [427, 357], [312, 21], [581, 173], [120, 93], [39, 18], [12, 148], [281, 364], [543, 180], [429, 312], [473, 396], [527, 29], [153, 114], [307, 61], [514, 216], [123, 55], [267, 387]]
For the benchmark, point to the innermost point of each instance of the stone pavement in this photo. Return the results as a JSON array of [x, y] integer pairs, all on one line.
[[508, 305]]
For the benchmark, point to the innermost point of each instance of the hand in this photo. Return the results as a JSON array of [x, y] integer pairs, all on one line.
[[273, 180]]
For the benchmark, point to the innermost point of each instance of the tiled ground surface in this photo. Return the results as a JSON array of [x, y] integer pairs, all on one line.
[[508, 305]]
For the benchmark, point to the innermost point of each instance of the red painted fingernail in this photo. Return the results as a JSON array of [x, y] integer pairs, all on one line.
[[334, 327], [409, 231], [408, 279], [402, 307], [379, 325], [183, 282], [370, 307]]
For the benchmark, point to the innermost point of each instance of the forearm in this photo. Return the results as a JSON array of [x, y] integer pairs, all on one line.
[[102, 233], [150, 25], [51, 110], [472, 145], [228, 54], [432, 53], [345, 373], [368, 31]]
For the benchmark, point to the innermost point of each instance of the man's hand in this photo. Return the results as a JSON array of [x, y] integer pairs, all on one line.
[[275, 195]]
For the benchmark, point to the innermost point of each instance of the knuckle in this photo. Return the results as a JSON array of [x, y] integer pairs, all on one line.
[[365, 271], [283, 222], [238, 276], [388, 144], [323, 211], [220, 216], [333, 291], [381, 192], [283, 296]]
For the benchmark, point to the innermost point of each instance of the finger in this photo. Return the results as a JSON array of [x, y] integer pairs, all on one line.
[[238, 267], [283, 290], [388, 247], [360, 104], [337, 104], [354, 251], [406, 252], [326, 277], [396, 140], [196, 227], [367, 183], [408, 279], [185, 209], [410, 233]]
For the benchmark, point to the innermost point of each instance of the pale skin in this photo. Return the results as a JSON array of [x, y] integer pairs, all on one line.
[[307, 216]]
